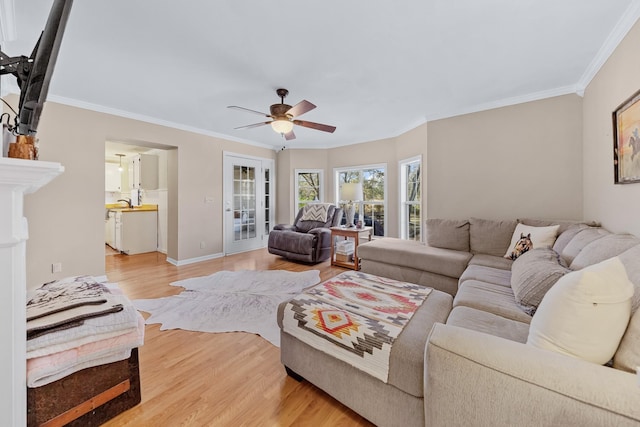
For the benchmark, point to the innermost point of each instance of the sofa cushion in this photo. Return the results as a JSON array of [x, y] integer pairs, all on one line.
[[628, 355], [489, 236], [604, 248], [491, 298], [533, 274], [536, 237], [565, 236], [586, 313], [406, 362], [563, 224], [491, 261], [496, 276], [448, 234], [579, 241], [631, 261], [488, 323], [405, 253]]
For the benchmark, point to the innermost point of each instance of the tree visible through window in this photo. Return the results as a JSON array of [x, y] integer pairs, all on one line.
[[308, 187]]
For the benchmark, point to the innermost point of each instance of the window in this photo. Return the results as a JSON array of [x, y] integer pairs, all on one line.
[[308, 187], [374, 188], [410, 199]]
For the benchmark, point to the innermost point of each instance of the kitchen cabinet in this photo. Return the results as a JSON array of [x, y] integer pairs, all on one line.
[[110, 230], [112, 177], [136, 232], [143, 172]]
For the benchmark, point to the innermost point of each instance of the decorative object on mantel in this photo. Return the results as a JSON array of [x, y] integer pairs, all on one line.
[[626, 141], [350, 194], [25, 147]]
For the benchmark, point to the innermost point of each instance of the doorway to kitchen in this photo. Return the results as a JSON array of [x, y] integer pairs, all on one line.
[[249, 202], [151, 188]]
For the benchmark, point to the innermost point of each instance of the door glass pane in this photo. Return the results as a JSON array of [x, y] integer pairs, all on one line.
[[244, 202], [267, 193]]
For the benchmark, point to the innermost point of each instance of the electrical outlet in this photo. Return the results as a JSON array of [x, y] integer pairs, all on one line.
[[56, 267], [202, 245]]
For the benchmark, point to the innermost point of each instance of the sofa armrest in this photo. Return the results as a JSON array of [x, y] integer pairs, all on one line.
[[285, 227], [473, 378]]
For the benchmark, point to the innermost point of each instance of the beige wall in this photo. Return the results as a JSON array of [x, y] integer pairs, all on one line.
[[523, 160], [616, 206], [66, 219], [287, 162], [386, 151]]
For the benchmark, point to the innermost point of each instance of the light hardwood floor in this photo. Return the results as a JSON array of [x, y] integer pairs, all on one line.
[[228, 379]]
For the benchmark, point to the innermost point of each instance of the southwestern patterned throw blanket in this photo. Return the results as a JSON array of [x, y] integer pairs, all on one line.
[[355, 317]]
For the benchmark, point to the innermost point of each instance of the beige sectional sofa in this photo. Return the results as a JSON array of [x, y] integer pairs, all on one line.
[[464, 357]]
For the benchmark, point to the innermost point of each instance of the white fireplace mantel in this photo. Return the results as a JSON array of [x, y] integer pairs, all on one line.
[[17, 178]]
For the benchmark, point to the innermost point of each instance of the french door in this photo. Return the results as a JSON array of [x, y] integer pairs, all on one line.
[[248, 202]]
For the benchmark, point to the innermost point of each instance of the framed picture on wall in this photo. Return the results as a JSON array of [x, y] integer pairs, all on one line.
[[626, 141]]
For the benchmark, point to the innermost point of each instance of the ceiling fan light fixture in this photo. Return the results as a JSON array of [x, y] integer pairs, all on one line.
[[282, 126]]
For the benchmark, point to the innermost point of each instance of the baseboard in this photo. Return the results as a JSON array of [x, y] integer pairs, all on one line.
[[178, 263]]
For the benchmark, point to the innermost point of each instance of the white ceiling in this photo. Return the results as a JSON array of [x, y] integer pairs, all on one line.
[[374, 68]]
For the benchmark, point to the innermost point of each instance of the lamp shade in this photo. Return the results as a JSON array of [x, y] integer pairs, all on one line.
[[351, 191], [282, 126]]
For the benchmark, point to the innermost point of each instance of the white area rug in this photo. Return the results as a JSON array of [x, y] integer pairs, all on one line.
[[229, 301]]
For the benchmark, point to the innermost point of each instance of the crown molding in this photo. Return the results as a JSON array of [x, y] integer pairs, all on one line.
[[152, 120], [7, 21], [620, 30], [536, 96]]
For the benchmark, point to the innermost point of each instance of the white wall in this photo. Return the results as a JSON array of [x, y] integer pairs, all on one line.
[[616, 206]]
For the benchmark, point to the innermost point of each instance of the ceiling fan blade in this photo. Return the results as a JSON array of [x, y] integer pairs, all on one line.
[[235, 107], [255, 125], [289, 135], [317, 126], [300, 108]]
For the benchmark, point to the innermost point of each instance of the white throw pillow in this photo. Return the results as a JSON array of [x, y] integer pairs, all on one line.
[[585, 314], [532, 237]]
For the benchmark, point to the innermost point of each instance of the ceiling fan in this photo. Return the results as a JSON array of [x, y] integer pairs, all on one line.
[[284, 115]]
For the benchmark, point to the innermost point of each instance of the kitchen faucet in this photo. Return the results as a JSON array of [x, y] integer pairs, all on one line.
[[128, 201]]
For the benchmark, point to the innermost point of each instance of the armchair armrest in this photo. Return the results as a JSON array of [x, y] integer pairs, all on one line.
[[323, 235], [473, 378], [285, 227]]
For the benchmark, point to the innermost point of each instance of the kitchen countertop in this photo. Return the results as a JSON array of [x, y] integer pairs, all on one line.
[[121, 207]]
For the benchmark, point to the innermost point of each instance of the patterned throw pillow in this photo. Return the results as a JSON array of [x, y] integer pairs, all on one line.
[[526, 237], [315, 212]]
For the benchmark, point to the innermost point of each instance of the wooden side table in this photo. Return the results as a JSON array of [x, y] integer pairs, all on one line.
[[348, 233]]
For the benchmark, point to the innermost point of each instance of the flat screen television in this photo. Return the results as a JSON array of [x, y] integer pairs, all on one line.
[[34, 72]]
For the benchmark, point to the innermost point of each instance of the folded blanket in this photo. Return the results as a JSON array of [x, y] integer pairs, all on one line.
[[47, 369], [92, 330], [65, 294], [66, 303]]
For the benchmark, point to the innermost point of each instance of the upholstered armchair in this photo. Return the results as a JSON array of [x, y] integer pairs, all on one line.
[[308, 239]]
